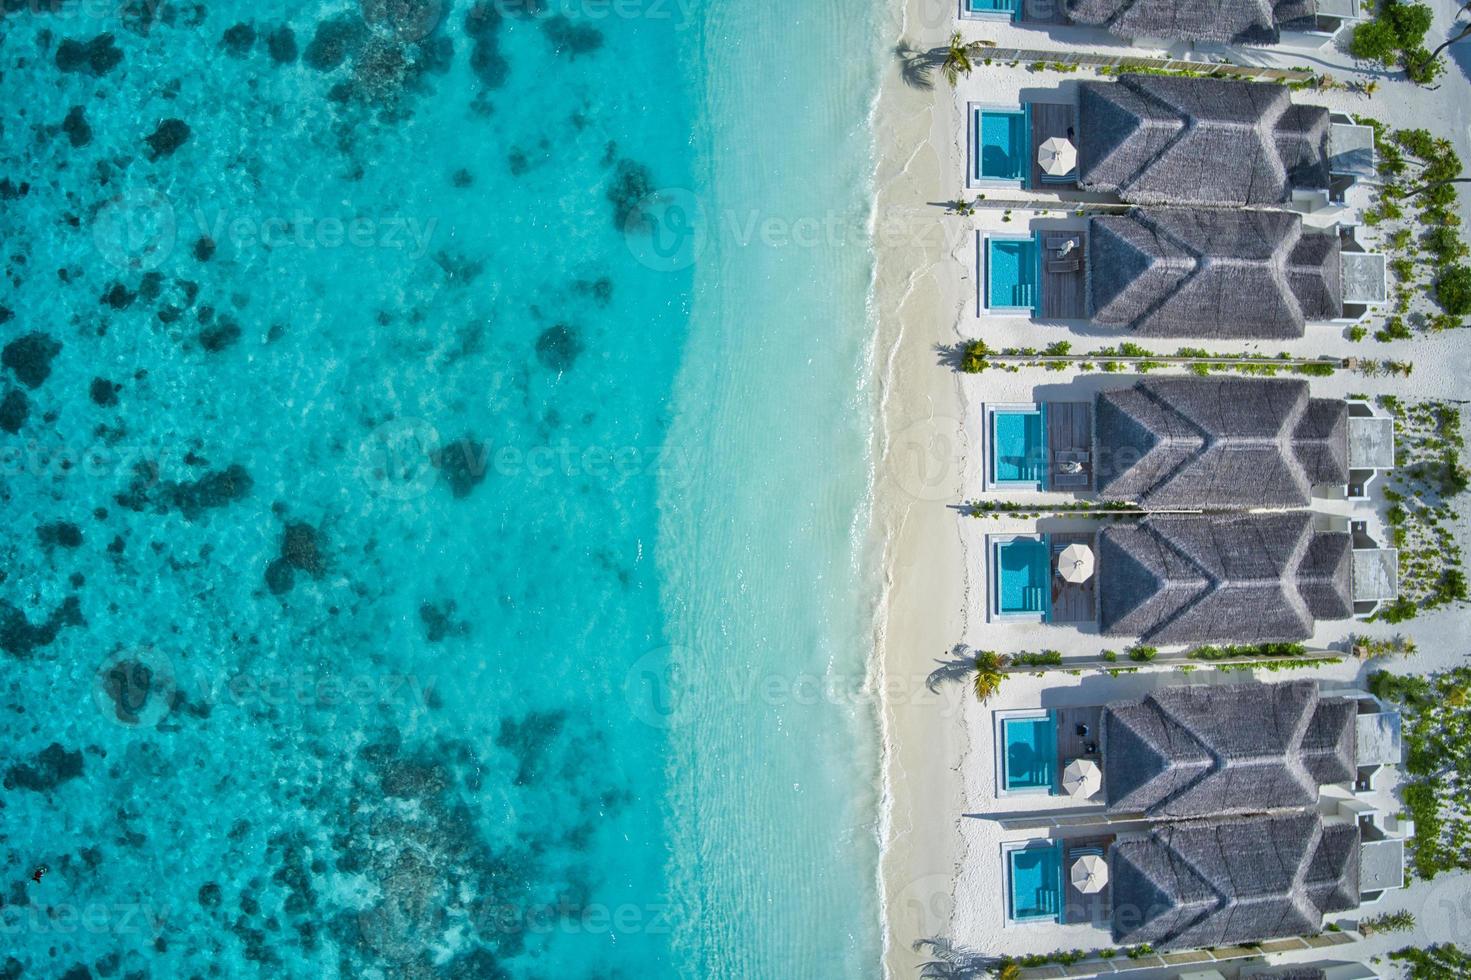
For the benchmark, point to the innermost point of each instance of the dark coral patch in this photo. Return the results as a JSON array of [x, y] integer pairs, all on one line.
[[334, 42], [281, 43], [15, 408], [53, 766], [76, 128], [222, 334], [571, 38], [118, 296], [463, 464], [168, 137], [632, 183], [19, 637], [59, 534], [104, 392], [301, 548], [439, 622], [238, 40], [558, 348], [191, 498], [204, 248], [95, 57], [29, 357]]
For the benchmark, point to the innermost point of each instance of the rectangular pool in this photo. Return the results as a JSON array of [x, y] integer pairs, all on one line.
[[1018, 448], [1029, 753], [1012, 274], [1004, 7], [1023, 573], [1034, 876], [1003, 144]]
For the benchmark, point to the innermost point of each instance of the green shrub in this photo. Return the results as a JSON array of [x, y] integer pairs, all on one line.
[[1420, 68], [1409, 21], [1453, 290], [973, 356], [1143, 654], [1375, 40]]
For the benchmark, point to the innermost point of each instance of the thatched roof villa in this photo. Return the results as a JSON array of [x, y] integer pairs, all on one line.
[[1165, 140], [1211, 443], [1220, 443], [1213, 274], [1248, 578], [1233, 21], [1226, 882], [1221, 750]]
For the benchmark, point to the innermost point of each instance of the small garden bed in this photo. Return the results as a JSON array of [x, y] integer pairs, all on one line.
[[1428, 447], [1436, 720]]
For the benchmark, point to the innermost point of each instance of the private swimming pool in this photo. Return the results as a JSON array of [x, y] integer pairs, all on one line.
[[1029, 753], [1007, 8], [1018, 448], [1034, 883], [1012, 274], [1021, 569], [1003, 141]]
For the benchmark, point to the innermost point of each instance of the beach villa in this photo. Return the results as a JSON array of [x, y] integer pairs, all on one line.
[[1191, 444], [1298, 23], [1251, 776], [1220, 275], [1166, 140]]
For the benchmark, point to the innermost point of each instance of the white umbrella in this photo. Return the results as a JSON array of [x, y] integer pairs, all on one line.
[[1057, 156], [1075, 564], [1082, 777], [1090, 874]]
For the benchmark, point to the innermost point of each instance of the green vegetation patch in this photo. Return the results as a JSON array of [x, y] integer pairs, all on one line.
[[1436, 726]]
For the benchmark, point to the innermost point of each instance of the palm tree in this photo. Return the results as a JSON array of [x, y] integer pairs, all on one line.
[[1463, 33], [958, 57], [1010, 970], [990, 672]]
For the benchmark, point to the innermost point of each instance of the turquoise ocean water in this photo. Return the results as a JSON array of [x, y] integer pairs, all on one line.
[[429, 506]]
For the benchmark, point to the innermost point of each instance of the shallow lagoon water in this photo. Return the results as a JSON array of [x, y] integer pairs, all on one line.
[[352, 445]]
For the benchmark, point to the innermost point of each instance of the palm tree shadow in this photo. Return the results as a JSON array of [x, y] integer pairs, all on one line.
[[952, 961], [951, 671], [916, 67], [951, 356]]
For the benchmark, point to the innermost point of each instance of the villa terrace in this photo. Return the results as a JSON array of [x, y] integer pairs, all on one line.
[[1299, 23], [1159, 140], [1192, 444]]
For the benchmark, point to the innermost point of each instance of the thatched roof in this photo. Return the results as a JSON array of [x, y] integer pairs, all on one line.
[[1217, 443], [1222, 883], [1155, 139], [1234, 21], [1249, 578], [1222, 750], [1215, 274]]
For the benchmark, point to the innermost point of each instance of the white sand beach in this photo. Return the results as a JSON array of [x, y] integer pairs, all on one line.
[[941, 865]]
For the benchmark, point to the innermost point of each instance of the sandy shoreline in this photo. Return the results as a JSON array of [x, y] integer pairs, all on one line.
[[921, 448]]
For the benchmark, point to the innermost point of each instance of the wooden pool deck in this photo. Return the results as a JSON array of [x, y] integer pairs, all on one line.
[[1070, 437], [1072, 602], [1064, 277], [1078, 908], [1051, 119]]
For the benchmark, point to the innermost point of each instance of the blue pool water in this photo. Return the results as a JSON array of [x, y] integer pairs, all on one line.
[[356, 428], [1003, 138], [1018, 448], [1012, 276], [1023, 576], [994, 6], [1035, 880], [1029, 753]]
